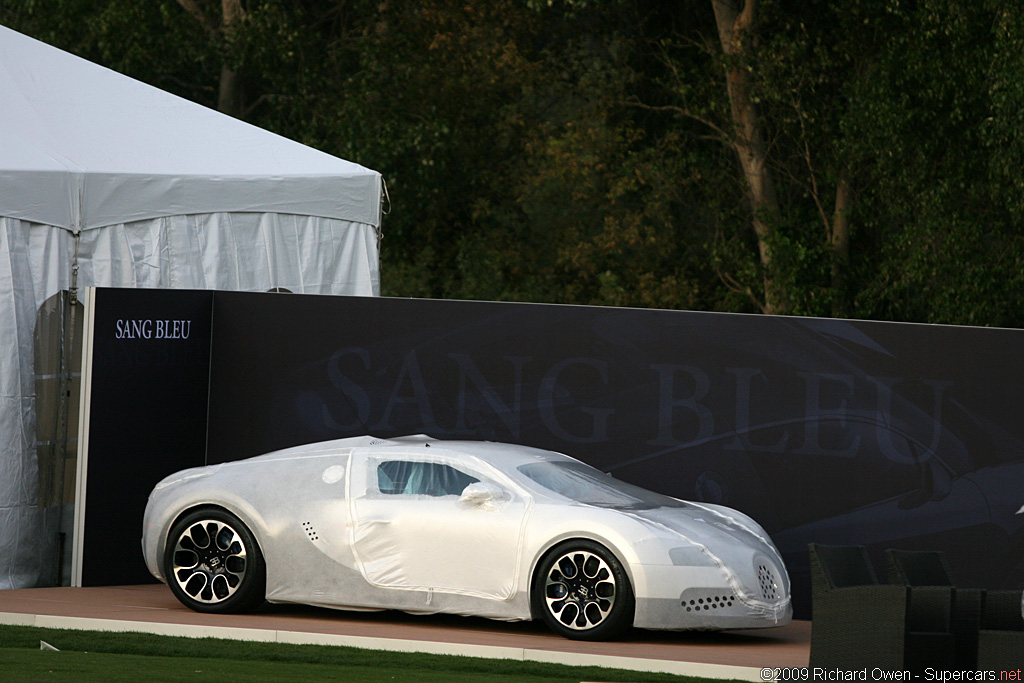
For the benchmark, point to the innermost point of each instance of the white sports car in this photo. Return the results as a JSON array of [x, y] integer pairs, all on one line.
[[486, 529]]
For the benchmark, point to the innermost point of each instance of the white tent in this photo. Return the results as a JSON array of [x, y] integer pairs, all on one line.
[[106, 181]]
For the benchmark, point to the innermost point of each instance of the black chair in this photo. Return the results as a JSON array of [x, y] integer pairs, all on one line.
[[857, 622], [921, 568], [987, 624], [1001, 637]]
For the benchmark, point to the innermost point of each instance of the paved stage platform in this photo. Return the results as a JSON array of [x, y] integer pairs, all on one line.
[[152, 609]]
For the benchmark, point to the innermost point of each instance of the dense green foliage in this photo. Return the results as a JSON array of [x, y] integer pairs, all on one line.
[[586, 152]]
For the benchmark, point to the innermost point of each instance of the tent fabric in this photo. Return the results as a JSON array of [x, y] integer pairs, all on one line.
[[106, 181], [245, 252], [86, 147]]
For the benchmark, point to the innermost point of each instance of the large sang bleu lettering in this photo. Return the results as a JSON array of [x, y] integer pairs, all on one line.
[[749, 409]]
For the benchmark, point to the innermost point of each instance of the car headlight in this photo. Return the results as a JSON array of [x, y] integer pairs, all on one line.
[[691, 556]]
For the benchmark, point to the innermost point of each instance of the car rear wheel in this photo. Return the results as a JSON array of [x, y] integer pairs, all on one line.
[[213, 564], [582, 592]]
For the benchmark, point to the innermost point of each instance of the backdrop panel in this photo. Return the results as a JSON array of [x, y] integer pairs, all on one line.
[[147, 417], [831, 431]]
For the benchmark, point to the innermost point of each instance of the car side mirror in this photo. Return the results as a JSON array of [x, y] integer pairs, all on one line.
[[483, 494]]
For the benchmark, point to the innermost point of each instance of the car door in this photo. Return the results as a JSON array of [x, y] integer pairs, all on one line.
[[412, 528]]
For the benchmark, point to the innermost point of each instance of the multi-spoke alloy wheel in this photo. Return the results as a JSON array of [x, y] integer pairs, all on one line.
[[582, 592], [579, 590], [212, 563]]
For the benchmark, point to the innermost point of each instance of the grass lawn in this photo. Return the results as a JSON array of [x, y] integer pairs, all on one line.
[[87, 656]]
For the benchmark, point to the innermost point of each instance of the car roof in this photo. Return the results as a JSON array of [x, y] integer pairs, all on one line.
[[502, 455]]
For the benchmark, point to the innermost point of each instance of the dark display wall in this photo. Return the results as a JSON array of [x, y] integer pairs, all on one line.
[[150, 378], [882, 434]]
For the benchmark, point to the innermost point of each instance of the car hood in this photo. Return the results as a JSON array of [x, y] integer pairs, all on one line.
[[732, 542], [716, 530]]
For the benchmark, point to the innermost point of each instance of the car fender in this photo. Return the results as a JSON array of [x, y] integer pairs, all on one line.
[[606, 527], [164, 511]]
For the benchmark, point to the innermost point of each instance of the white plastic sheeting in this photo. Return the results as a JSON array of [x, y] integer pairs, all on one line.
[[139, 188], [462, 528], [400, 504]]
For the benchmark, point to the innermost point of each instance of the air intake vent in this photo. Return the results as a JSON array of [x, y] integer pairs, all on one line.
[[709, 603], [769, 586], [310, 531], [706, 599]]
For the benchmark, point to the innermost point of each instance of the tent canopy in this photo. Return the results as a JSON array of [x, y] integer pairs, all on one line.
[[86, 147], [108, 182]]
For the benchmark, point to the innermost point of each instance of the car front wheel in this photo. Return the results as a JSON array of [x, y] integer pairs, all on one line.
[[213, 564], [582, 592]]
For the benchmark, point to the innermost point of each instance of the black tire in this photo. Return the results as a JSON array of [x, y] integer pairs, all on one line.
[[213, 564], [582, 592]]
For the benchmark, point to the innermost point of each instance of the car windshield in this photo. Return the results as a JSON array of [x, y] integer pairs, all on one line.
[[584, 484]]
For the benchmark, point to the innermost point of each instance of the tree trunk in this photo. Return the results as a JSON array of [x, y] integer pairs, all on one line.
[[229, 95], [229, 91], [734, 18], [840, 243]]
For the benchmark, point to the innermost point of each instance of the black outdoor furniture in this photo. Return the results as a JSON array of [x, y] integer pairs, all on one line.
[[919, 568], [987, 625], [857, 622], [928, 568], [1001, 636]]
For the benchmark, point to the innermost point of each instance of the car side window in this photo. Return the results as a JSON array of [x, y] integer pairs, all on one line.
[[403, 477]]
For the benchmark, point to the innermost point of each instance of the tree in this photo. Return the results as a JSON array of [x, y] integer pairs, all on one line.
[[825, 99], [854, 158], [735, 20], [229, 93]]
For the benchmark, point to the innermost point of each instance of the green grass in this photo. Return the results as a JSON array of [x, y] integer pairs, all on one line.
[[88, 656]]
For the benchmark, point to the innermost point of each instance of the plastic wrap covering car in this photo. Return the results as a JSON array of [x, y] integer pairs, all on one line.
[[495, 530], [732, 572], [412, 528]]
